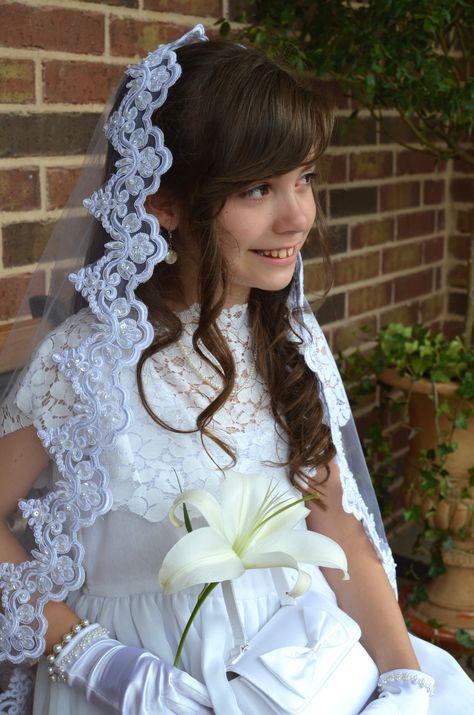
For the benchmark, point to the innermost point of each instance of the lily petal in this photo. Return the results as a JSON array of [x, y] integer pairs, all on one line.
[[201, 556], [204, 502], [272, 559], [310, 548], [242, 496]]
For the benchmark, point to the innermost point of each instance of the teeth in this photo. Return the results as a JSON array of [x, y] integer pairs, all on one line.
[[278, 253]]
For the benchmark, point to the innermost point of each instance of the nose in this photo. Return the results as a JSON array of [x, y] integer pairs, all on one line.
[[294, 213]]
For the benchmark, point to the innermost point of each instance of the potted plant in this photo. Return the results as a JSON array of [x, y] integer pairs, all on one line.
[[437, 377]]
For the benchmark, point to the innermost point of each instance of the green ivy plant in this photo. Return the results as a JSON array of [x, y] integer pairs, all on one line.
[[418, 353], [416, 58]]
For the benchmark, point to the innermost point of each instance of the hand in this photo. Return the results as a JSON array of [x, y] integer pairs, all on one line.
[[402, 692], [127, 680]]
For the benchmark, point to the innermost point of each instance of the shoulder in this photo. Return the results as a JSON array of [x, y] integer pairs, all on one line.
[[44, 394]]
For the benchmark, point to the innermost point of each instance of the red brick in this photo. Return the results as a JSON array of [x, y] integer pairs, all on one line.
[[130, 37], [406, 314], [413, 285], [201, 8], [46, 133], [60, 184], [333, 168], [433, 192], [400, 258], [17, 81], [12, 290], [79, 82], [394, 129], [399, 196], [431, 308], [352, 332], [418, 223], [354, 132], [457, 276], [458, 247], [462, 189], [371, 165], [440, 220], [465, 221], [314, 277], [353, 201], [331, 309], [19, 189], [51, 28], [434, 249], [416, 162], [356, 268], [24, 243], [463, 166], [372, 233], [365, 300]]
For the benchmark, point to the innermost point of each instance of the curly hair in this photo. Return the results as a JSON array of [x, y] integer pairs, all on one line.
[[232, 118]]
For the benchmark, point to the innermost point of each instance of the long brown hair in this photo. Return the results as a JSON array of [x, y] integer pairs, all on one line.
[[233, 118]]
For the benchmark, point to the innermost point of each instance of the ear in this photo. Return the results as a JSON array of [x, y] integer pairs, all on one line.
[[165, 209]]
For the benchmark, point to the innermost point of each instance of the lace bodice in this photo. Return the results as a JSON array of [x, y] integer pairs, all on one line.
[[145, 464]]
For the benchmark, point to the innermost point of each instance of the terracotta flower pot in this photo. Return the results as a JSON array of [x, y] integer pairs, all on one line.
[[450, 595]]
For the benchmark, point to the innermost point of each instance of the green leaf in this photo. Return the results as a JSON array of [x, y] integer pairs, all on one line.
[[464, 638]]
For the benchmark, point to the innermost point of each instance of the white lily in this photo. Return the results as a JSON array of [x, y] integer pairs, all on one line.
[[252, 528]]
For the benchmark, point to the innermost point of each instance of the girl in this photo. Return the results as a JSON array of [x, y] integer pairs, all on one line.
[[193, 355]]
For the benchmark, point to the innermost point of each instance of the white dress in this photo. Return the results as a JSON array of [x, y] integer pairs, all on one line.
[[125, 548]]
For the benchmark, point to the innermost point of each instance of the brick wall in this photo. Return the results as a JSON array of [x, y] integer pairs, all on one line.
[[399, 223], [390, 213], [59, 61]]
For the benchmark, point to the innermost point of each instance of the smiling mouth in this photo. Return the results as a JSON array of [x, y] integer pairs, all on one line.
[[278, 252]]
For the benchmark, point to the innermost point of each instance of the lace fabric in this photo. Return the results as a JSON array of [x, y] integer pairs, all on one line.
[[144, 468]]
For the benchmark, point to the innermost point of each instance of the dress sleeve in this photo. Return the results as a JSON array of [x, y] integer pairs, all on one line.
[[41, 395]]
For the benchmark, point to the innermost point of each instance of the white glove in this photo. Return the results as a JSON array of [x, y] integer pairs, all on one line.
[[127, 680], [402, 692]]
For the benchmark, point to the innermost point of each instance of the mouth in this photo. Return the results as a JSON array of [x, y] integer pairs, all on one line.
[[278, 253]]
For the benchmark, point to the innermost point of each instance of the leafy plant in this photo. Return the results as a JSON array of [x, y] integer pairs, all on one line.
[[416, 58], [417, 353]]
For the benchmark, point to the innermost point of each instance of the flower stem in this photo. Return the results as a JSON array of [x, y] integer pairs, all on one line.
[[201, 598]]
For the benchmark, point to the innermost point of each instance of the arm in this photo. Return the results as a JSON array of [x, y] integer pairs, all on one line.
[[367, 596], [22, 458], [118, 678]]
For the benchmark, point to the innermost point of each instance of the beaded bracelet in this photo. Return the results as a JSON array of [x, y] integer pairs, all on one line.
[[412, 676], [55, 670]]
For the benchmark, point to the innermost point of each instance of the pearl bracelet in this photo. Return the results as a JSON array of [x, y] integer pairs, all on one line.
[[412, 676], [57, 658]]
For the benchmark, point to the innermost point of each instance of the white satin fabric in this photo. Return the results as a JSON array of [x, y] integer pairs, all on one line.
[[125, 548]]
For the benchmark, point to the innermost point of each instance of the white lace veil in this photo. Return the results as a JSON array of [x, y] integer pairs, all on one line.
[[121, 332]]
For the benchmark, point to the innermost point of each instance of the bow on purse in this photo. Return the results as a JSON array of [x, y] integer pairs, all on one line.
[[298, 659]]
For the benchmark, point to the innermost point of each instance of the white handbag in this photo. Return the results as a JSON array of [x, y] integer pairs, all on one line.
[[306, 659]]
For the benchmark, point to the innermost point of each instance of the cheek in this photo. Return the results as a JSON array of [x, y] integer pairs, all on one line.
[[311, 210]]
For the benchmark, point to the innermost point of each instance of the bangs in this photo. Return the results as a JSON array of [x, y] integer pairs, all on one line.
[[233, 117], [277, 125]]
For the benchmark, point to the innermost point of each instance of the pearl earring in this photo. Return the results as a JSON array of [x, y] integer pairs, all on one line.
[[171, 257]]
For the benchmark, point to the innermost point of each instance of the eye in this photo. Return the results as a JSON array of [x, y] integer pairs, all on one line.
[[256, 192], [308, 178]]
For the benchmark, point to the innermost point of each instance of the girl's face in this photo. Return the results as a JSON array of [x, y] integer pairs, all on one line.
[[262, 229]]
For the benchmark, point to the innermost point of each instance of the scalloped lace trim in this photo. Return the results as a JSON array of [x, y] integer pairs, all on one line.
[[99, 405], [17, 698]]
